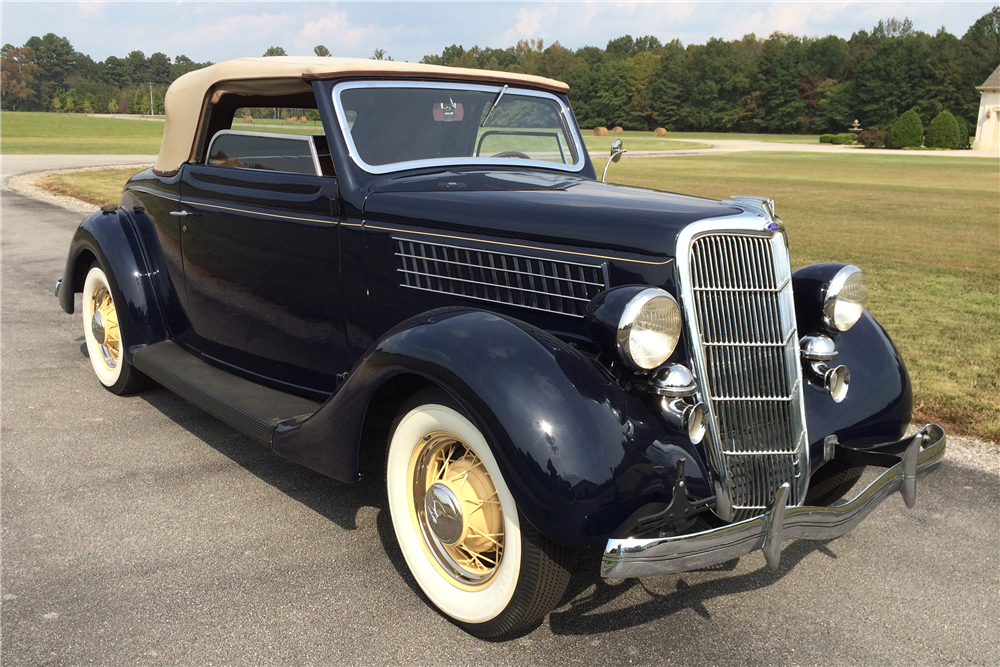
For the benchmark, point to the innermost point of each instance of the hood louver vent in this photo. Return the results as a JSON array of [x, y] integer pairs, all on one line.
[[514, 280]]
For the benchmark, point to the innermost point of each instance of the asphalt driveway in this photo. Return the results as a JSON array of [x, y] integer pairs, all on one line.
[[141, 531]]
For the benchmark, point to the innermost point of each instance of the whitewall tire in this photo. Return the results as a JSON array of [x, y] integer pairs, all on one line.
[[469, 549], [105, 343]]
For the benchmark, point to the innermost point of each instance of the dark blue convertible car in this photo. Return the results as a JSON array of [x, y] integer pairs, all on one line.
[[571, 364]]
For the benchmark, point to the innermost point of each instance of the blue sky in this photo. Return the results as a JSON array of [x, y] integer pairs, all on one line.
[[409, 30]]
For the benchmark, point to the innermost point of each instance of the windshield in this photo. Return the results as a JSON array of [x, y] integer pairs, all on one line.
[[391, 126]]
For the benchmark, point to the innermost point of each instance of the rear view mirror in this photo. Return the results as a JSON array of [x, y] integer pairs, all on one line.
[[448, 111]]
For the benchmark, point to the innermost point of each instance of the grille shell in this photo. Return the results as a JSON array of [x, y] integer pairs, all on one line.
[[738, 305], [547, 285]]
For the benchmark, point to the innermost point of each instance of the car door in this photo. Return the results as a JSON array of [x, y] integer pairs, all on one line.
[[261, 254]]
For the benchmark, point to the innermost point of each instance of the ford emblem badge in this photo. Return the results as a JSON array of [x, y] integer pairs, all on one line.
[[773, 226]]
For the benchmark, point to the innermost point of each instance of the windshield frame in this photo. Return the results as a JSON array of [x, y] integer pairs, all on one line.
[[564, 111]]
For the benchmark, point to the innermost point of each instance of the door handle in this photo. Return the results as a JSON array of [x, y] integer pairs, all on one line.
[[181, 213]]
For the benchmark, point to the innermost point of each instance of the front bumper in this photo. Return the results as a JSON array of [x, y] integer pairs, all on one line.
[[632, 557]]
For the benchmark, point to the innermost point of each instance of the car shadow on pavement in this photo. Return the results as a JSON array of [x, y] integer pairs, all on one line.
[[592, 605], [337, 501]]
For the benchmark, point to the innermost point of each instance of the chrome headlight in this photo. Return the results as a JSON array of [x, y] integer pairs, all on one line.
[[649, 329], [845, 300]]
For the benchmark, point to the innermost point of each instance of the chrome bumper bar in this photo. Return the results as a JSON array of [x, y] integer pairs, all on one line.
[[668, 555]]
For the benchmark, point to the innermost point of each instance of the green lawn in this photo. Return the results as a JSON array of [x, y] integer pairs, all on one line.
[[923, 228], [629, 136], [767, 138], [77, 134]]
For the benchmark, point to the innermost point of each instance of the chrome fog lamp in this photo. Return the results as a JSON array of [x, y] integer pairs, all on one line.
[[649, 329], [818, 350], [845, 300], [689, 418]]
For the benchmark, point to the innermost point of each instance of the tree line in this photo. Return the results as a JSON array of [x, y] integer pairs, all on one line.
[[780, 84], [784, 83], [48, 74]]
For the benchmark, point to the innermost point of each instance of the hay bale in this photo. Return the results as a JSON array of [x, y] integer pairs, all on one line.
[[617, 130], [600, 131], [303, 119], [659, 132], [290, 120], [247, 118]]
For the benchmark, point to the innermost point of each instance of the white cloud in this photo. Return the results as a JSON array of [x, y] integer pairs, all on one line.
[[335, 32], [91, 9]]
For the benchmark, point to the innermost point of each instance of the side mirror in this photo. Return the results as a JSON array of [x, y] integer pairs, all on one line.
[[616, 150], [616, 154]]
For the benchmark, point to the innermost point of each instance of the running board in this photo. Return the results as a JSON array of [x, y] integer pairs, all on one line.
[[250, 408]]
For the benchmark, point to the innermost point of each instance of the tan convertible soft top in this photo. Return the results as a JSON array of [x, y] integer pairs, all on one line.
[[282, 75]]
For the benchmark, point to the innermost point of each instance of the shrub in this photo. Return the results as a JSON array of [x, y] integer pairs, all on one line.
[[907, 132], [600, 131], [617, 129], [942, 132], [826, 138], [963, 133], [659, 132], [843, 138], [874, 137]]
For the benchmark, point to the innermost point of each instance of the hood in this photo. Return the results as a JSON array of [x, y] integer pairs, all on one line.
[[556, 209]]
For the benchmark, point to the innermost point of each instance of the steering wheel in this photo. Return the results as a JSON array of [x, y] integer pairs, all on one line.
[[516, 154]]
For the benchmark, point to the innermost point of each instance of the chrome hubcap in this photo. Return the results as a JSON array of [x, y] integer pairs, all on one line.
[[97, 327], [457, 511], [104, 327], [444, 514]]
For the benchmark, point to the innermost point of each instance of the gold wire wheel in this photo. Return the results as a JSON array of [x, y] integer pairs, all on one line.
[[104, 326], [456, 507]]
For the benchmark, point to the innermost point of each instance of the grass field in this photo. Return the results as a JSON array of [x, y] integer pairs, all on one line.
[[629, 136], [76, 134], [924, 230], [766, 138]]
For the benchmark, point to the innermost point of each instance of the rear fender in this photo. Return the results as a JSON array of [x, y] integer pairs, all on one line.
[[110, 238], [582, 457]]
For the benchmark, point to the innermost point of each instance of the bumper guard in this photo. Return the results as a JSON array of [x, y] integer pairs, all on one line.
[[633, 557]]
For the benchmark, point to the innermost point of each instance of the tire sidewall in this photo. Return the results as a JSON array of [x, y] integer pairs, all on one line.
[[465, 606], [109, 377]]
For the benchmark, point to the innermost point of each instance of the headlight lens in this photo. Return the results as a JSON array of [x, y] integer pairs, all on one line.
[[649, 328], [846, 298]]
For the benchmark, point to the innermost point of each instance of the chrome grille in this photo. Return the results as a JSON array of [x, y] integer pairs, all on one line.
[[739, 301], [515, 280]]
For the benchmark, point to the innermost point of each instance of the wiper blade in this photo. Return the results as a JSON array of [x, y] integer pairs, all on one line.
[[495, 103]]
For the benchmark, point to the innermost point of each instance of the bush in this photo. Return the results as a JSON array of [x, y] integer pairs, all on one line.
[[942, 132], [842, 138], [963, 133], [907, 132], [825, 138], [874, 137]]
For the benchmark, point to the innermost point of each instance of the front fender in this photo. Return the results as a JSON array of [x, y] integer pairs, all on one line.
[[110, 238], [879, 402], [581, 456]]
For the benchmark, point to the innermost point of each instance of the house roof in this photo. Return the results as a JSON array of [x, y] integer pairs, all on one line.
[[992, 81], [280, 75]]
